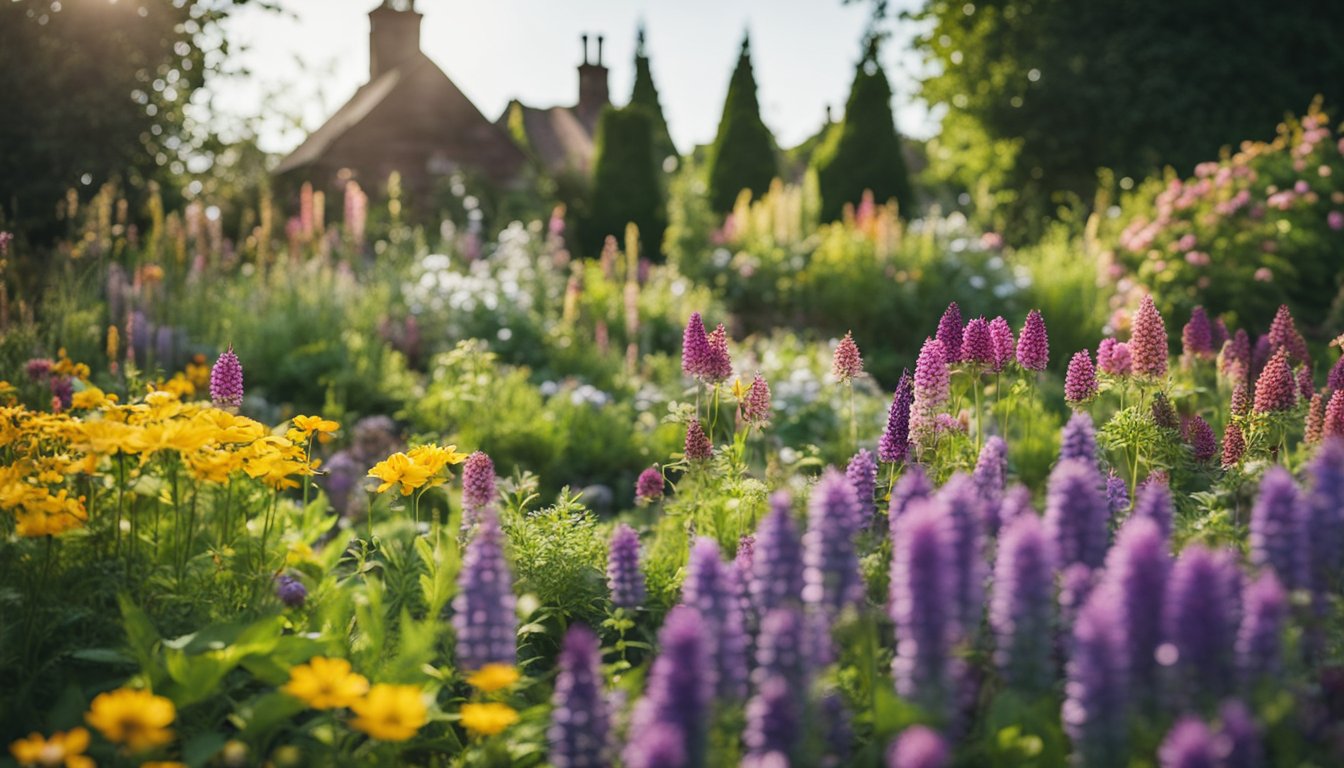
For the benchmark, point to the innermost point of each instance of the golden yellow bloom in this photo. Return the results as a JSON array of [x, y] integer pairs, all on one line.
[[179, 385], [88, 399], [113, 343], [62, 749], [310, 424], [103, 436], [434, 458], [325, 683], [493, 677], [136, 718], [198, 372], [740, 390], [489, 718], [400, 468], [299, 553], [390, 712]]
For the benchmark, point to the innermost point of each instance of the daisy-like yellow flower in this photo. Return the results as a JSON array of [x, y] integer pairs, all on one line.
[[400, 469], [390, 712], [62, 749], [310, 424], [489, 718], [136, 718], [88, 399], [434, 458], [325, 683], [493, 677]]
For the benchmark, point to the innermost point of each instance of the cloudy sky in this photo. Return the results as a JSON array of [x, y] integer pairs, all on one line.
[[306, 61]]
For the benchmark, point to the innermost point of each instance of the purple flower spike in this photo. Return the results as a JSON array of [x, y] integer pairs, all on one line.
[[895, 443], [1016, 502], [1243, 747], [719, 367], [1113, 357], [977, 344], [913, 484], [1279, 537], [1306, 386], [1076, 513], [1325, 514], [483, 614], [695, 352], [478, 488], [1259, 647], [1005, 346], [1117, 493], [709, 589], [932, 387], [1235, 360], [1154, 502], [1335, 379], [782, 650], [1276, 389], [1197, 335], [1080, 382], [773, 719], [1334, 416], [1199, 436], [862, 476], [847, 364], [949, 332], [660, 745], [1021, 609], [776, 567], [226, 381], [831, 578], [756, 408], [1200, 620], [1283, 334], [674, 713], [1189, 744], [1234, 446], [1078, 440], [1137, 568], [1096, 706], [923, 589], [624, 578], [964, 516], [919, 746], [1315, 424], [1075, 586], [698, 446], [1033, 344], [1148, 341], [579, 718], [649, 485], [991, 471]]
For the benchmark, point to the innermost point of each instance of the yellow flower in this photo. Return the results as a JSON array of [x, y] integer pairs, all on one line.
[[88, 399], [62, 749], [136, 718], [435, 458], [740, 390], [390, 712], [399, 468], [325, 683], [310, 424], [493, 677], [489, 718], [163, 764], [198, 372]]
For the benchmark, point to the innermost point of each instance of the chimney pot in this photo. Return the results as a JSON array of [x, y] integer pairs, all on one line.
[[584, 37], [599, 50]]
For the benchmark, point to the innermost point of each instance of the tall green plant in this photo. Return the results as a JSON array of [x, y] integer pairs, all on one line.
[[743, 154], [625, 181]]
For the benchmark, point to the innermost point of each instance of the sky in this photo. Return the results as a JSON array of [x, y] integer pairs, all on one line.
[[299, 65]]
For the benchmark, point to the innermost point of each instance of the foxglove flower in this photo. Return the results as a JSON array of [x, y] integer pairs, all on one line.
[[624, 578], [674, 712], [580, 720], [977, 345], [719, 366], [949, 332], [649, 485], [1279, 537], [1135, 578], [773, 719], [1153, 501], [1241, 736], [1259, 647], [847, 364], [1148, 341], [923, 589], [1033, 343], [964, 517], [1199, 621], [1117, 493], [919, 746], [708, 588], [1078, 439], [783, 650], [1005, 346], [483, 614], [831, 578], [1283, 335], [1189, 744], [226, 381], [895, 443], [1080, 382], [1334, 416], [913, 484], [1199, 436], [1234, 445], [478, 488], [1197, 335], [862, 476], [698, 447], [756, 408], [695, 352], [776, 566], [1076, 513], [1021, 609], [1276, 389], [1096, 689], [990, 476]]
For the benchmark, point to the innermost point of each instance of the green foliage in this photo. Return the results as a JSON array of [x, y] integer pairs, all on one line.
[[644, 94], [626, 187], [560, 556], [743, 154]]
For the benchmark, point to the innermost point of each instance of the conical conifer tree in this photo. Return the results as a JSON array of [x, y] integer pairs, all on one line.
[[863, 152], [645, 96], [743, 154], [625, 182]]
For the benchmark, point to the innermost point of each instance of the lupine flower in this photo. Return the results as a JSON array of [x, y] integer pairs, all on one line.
[[1283, 334], [1197, 335], [1334, 381], [773, 720], [1148, 341], [698, 447], [695, 352], [1075, 586], [1033, 343], [1016, 502], [783, 650], [1164, 414], [291, 591], [1259, 648], [913, 484], [836, 733], [1005, 346], [1236, 356], [624, 578], [739, 573], [949, 333], [1080, 382], [1021, 608], [1241, 399], [977, 345], [719, 366], [708, 588], [1279, 538], [1153, 501], [1078, 440], [776, 567], [1189, 744], [483, 614], [847, 363], [478, 487], [1325, 514], [831, 578], [862, 475], [1241, 736], [756, 408], [1200, 619], [1315, 421], [1305, 385], [923, 584], [1199, 436], [1136, 578], [1096, 689], [932, 386], [226, 381], [991, 470], [1334, 415], [895, 443], [919, 746], [1234, 445], [1117, 493], [1260, 354], [675, 709], [1076, 513], [964, 517], [579, 717], [649, 485]]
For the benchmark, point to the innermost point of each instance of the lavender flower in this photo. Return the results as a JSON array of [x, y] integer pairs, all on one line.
[[1259, 644], [624, 578], [674, 712], [1154, 502], [1016, 502], [698, 447], [1078, 440], [1096, 706], [923, 588], [1033, 343], [895, 443], [1241, 736], [659, 745], [862, 476], [1021, 609], [831, 578], [1199, 436], [1197, 335], [964, 516], [990, 476], [483, 614], [1076, 513], [1075, 586], [977, 345], [1189, 744], [1325, 514], [1276, 389], [919, 747], [1117, 493], [695, 352], [1080, 382], [913, 484], [291, 591], [1148, 341], [1305, 385], [847, 364], [773, 719], [949, 332], [226, 381], [708, 588], [782, 650], [579, 717], [478, 488], [1234, 445], [1135, 578], [1279, 536], [1005, 346], [649, 485], [1200, 619], [739, 574], [776, 567]]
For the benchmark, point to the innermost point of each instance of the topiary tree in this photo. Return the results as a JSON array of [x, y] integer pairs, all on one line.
[[743, 153], [625, 182], [645, 96], [863, 152]]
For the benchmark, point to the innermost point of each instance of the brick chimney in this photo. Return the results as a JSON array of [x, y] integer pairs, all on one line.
[[593, 93], [394, 35]]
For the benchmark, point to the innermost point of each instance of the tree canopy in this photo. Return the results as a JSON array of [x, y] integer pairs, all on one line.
[[645, 96], [626, 186], [743, 153]]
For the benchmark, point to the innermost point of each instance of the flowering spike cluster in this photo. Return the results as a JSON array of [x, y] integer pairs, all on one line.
[[1199, 436], [226, 381], [720, 364], [624, 578], [919, 746], [773, 720], [1117, 493], [739, 573], [695, 352], [923, 584], [1197, 335], [674, 713], [932, 386], [1335, 379], [1164, 413], [698, 447], [949, 332], [776, 567], [1276, 390], [1016, 502], [1333, 425], [1234, 445], [1199, 621], [483, 614], [782, 650], [977, 345], [1113, 357], [1033, 343], [1283, 335], [1241, 399], [649, 485], [1325, 514], [847, 364], [913, 484], [1080, 381], [478, 488], [1075, 586], [708, 588], [1236, 356], [578, 733], [1315, 422], [1078, 440], [1097, 697], [1148, 341], [1189, 744], [1305, 386], [1153, 501], [964, 516], [836, 732], [991, 474], [1260, 354], [894, 445], [1136, 574], [1021, 608], [1279, 538], [1005, 346], [756, 408], [862, 475], [1076, 513], [1241, 736], [831, 578], [1259, 648]]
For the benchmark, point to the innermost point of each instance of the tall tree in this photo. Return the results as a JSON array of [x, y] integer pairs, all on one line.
[[645, 96], [863, 152], [743, 153], [625, 182]]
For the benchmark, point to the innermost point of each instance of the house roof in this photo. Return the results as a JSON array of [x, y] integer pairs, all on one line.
[[556, 136]]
